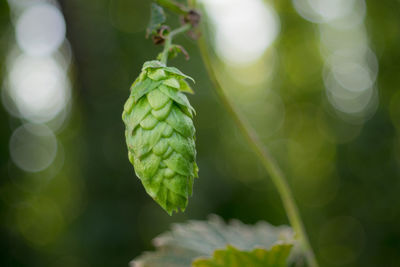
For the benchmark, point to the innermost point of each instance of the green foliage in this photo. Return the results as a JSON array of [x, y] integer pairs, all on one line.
[[157, 18], [160, 135], [276, 256], [189, 241], [174, 6]]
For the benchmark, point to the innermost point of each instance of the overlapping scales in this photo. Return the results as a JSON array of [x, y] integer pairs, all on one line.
[[160, 135]]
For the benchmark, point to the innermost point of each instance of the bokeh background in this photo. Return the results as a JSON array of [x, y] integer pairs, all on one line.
[[318, 79]]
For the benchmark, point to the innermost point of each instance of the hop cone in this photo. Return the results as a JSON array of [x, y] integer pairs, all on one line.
[[160, 135]]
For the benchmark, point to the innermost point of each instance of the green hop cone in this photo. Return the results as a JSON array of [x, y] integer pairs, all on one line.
[[160, 134]]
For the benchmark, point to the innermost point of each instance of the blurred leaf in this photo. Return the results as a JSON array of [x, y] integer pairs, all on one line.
[[185, 87], [152, 64], [276, 256], [157, 18], [143, 87], [179, 247], [158, 64], [174, 6], [174, 70], [175, 50]]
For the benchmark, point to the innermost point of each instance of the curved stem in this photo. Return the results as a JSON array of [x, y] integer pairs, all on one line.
[[168, 41], [267, 160]]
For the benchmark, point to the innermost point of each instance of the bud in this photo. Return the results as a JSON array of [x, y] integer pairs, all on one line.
[[160, 134]]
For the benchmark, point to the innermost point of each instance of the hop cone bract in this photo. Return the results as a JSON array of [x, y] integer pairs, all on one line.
[[160, 134]]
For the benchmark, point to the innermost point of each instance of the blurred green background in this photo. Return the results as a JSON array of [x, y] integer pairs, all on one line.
[[319, 80]]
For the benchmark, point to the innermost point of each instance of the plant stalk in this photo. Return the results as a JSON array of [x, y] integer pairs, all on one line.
[[168, 41], [267, 160]]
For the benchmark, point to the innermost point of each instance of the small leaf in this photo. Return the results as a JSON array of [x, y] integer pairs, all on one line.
[[157, 99], [179, 164], [174, 70], [189, 241], [143, 87], [157, 74], [184, 146], [276, 256], [152, 64], [141, 109], [180, 122], [185, 87], [143, 140], [157, 18], [172, 82], [177, 96], [175, 50]]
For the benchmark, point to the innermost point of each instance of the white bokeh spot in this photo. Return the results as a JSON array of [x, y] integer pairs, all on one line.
[[40, 30], [244, 29], [39, 87], [33, 147]]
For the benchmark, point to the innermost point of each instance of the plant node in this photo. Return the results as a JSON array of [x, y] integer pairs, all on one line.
[[160, 35]]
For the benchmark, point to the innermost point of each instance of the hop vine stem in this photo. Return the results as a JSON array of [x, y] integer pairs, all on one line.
[[168, 41], [267, 160]]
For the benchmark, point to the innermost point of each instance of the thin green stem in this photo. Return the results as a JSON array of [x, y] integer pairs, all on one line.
[[168, 41], [267, 160]]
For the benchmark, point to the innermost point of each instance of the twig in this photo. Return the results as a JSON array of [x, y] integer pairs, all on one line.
[[168, 41], [267, 160]]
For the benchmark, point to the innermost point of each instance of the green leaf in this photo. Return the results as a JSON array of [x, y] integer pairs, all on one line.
[[175, 71], [148, 165], [180, 122], [157, 99], [189, 241], [174, 6], [178, 97], [276, 256], [143, 87], [152, 64], [184, 146], [162, 113], [172, 82], [185, 87], [139, 111], [144, 140], [177, 184], [179, 164], [156, 74], [157, 18]]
